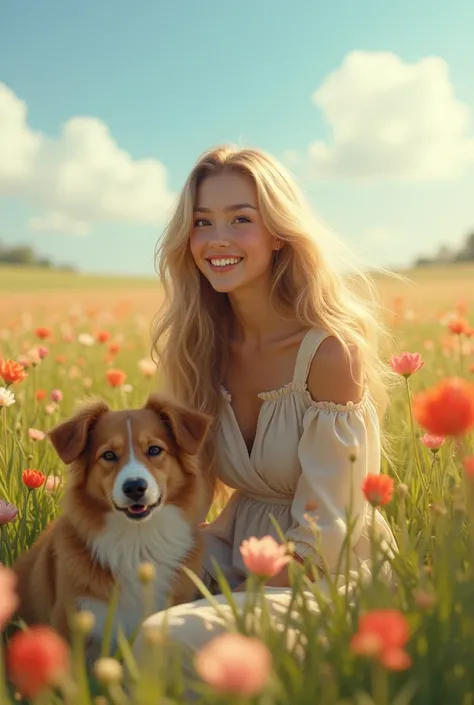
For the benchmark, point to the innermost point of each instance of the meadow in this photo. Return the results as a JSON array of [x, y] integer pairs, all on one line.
[[407, 643]]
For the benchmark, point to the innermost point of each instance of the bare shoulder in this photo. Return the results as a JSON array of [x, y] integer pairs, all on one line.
[[334, 376]]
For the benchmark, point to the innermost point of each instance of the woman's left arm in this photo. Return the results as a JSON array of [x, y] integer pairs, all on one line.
[[334, 424]]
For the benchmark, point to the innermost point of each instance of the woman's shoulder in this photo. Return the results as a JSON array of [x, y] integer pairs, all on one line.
[[335, 376]]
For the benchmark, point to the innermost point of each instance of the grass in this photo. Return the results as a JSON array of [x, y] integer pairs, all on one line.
[[31, 280], [431, 514]]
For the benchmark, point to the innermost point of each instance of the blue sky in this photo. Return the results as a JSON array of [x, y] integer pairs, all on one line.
[[385, 151]]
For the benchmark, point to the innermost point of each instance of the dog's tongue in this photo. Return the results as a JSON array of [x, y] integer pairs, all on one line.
[[136, 508]]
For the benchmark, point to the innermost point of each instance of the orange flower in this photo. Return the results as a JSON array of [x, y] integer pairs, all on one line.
[[378, 489], [116, 377], [265, 556], [11, 371], [114, 348], [446, 409], [33, 478], [469, 466], [458, 326], [36, 659], [43, 333], [406, 364], [40, 394], [235, 664], [102, 336], [383, 634]]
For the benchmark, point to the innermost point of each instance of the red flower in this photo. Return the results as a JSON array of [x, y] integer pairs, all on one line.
[[383, 634], [102, 336], [11, 371], [43, 333], [446, 409], [36, 659], [116, 377], [33, 478], [378, 489], [40, 394]]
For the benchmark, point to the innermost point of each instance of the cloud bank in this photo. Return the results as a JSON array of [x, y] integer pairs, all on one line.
[[79, 179], [389, 119]]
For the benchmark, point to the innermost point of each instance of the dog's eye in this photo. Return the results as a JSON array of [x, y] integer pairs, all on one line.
[[154, 450], [109, 455]]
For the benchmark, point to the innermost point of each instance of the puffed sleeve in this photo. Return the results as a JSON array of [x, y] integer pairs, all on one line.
[[330, 434]]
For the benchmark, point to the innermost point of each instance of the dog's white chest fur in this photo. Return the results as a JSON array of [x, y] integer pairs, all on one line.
[[164, 540]]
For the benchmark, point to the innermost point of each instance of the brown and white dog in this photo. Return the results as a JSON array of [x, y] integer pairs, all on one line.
[[135, 493]]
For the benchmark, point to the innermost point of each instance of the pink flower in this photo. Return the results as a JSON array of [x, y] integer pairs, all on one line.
[[8, 512], [36, 435], [42, 352], [264, 557], [56, 395], [9, 601], [406, 364], [52, 483], [434, 443], [234, 663]]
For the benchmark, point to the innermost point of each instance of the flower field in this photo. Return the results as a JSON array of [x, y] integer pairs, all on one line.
[[410, 642]]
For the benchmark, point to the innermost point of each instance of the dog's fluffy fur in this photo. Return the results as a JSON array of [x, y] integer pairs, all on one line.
[[135, 493]]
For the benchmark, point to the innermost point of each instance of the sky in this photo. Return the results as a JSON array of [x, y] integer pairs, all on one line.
[[105, 107]]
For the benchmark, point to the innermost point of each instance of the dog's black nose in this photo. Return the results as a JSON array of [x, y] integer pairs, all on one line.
[[135, 489]]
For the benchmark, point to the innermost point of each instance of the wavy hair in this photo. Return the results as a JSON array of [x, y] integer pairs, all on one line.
[[192, 328]]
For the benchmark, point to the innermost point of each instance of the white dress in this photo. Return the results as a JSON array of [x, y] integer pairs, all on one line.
[[299, 459]]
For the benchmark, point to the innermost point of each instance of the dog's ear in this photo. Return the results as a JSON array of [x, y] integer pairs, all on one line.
[[188, 427], [70, 437]]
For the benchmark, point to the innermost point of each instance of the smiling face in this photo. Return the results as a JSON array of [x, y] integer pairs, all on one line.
[[131, 465], [229, 242], [131, 462]]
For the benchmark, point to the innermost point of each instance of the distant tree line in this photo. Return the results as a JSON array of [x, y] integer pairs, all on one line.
[[447, 255], [25, 256]]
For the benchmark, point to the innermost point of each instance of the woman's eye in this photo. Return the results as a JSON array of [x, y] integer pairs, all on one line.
[[110, 456], [200, 222], [154, 450], [243, 218]]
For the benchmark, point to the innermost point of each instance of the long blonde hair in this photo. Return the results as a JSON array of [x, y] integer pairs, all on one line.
[[191, 331]]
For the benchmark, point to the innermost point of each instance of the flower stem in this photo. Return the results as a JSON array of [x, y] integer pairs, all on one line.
[[413, 436], [379, 684]]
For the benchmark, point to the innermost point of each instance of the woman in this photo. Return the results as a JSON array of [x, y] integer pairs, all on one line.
[[261, 333]]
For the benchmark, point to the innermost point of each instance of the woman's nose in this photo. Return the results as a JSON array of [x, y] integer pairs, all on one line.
[[218, 242]]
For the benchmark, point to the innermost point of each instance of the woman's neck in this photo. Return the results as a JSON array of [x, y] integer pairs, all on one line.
[[256, 321]]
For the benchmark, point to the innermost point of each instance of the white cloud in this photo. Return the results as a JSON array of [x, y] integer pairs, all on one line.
[[391, 119], [81, 178]]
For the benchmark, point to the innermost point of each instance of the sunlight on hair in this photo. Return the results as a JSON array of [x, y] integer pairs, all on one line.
[[317, 276]]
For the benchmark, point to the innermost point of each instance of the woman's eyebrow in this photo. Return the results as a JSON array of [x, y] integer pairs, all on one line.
[[235, 207]]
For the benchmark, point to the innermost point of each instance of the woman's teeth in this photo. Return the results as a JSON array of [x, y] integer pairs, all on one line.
[[225, 262]]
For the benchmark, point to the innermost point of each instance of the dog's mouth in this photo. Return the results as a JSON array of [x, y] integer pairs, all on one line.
[[138, 511]]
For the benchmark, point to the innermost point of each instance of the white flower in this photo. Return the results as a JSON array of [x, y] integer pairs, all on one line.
[[7, 398], [86, 339], [127, 388], [147, 367]]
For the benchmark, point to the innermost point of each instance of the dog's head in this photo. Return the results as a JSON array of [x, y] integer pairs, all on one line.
[[132, 461]]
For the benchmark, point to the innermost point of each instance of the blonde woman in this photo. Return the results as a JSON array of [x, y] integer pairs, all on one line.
[[259, 331]]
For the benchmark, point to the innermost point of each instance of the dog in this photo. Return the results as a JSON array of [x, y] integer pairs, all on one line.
[[135, 493]]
